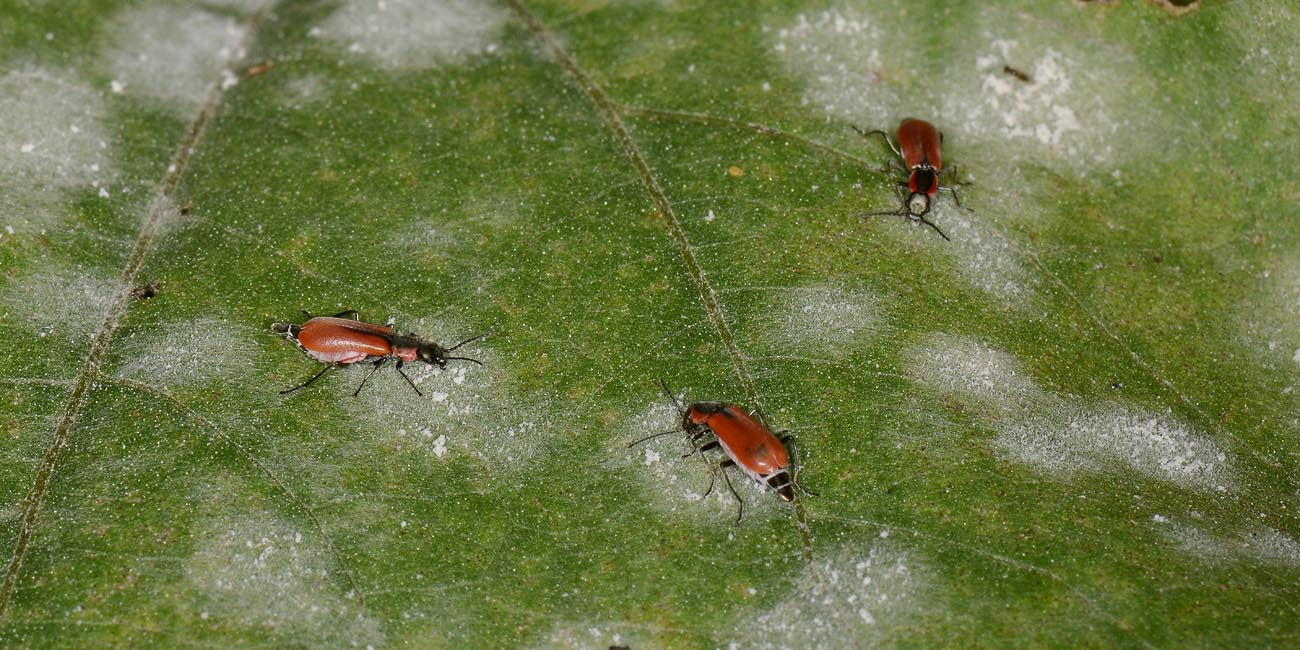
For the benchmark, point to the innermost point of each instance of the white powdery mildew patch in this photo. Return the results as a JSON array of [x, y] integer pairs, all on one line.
[[1053, 111], [855, 599], [963, 366], [191, 353], [1265, 545], [171, 54], [416, 237], [987, 259], [822, 320], [840, 54], [1270, 317], [260, 573], [1070, 439], [1060, 437], [863, 70], [61, 303], [414, 33], [299, 92], [463, 412], [1274, 63], [51, 140]]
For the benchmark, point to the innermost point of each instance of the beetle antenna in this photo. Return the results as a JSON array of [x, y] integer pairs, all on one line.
[[469, 340], [652, 437], [740, 503], [902, 213], [668, 392], [929, 223], [480, 363], [867, 134]]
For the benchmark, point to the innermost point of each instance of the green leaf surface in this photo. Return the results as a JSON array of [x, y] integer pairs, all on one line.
[[1074, 424]]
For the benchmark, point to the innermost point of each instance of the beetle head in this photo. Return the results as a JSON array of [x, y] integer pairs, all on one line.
[[436, 355], [432, 354], [918, 204]]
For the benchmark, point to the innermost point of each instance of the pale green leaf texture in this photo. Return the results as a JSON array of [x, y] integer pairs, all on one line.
[[1075, 424]]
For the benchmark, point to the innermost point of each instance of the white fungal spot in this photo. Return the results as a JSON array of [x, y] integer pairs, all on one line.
[[412, 34], [172, 55], [1270, 316], [259, 573], [51, 141], [841, 57], [190, 353], [866, 69], [986, 259], [855, 595], [1058, 435], [821, 320], [1257, 545], [966, 367], [1071, 439], [59, 303]]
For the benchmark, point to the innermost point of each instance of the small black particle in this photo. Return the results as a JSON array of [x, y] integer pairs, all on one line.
[[1019, 74], [147, 291]]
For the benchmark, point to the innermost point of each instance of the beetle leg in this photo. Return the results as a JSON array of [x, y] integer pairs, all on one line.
[[867, 134], [929, 223], [952, 189], [703, 448], [408, 379], [309, 381], [713, 477], [374, 368], [740, 503], [727, 463]]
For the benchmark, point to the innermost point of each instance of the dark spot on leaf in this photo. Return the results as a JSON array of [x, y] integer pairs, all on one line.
[[147, 291], [1019, 74]]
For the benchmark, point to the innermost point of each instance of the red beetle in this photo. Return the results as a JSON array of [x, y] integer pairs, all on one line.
[[918, 145], [339, 341], [748, 444]]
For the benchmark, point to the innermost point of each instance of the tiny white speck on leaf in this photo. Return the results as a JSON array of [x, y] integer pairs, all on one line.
[[228, 79], [710, 217], [651, 457]]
